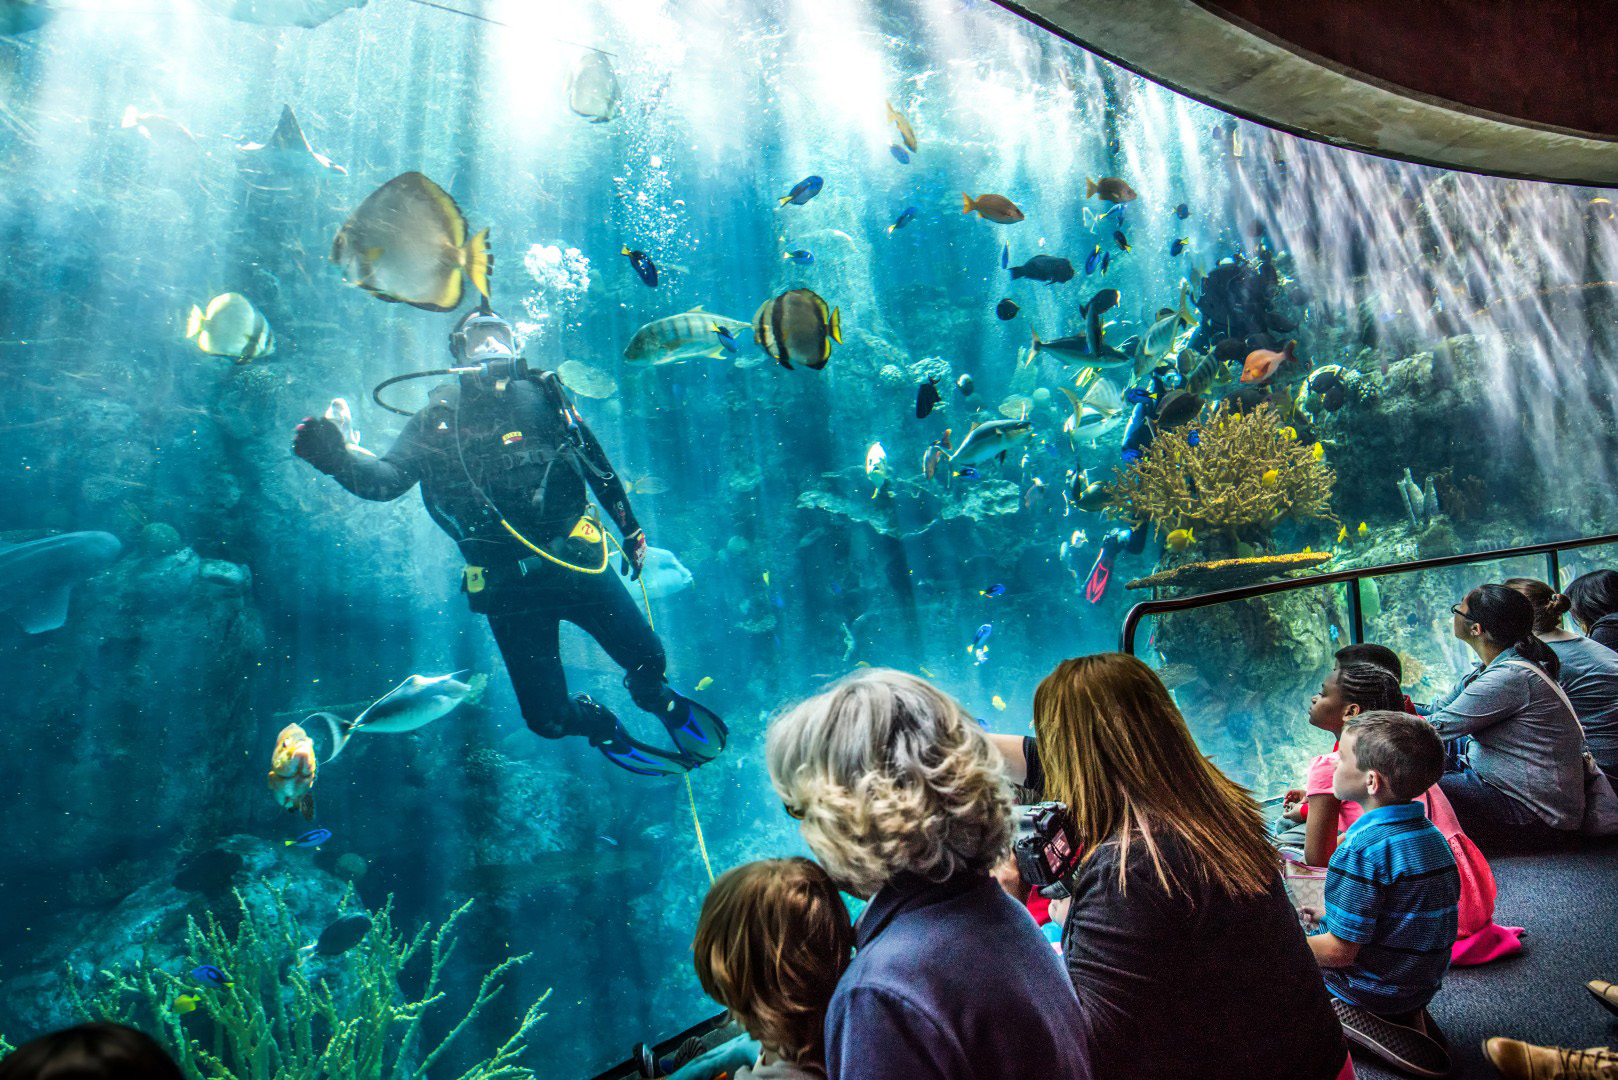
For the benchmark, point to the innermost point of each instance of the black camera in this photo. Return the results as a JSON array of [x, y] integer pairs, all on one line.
[[1046, 848]]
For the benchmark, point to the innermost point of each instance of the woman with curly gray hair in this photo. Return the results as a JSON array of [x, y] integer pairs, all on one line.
[[904, 801]]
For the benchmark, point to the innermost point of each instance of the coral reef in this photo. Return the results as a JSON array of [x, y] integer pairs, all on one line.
[[274, 1022], [1229, 573], [1240, 473]]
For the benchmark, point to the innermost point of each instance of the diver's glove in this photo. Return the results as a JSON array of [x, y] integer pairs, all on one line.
[[635, 550], [319, 442]]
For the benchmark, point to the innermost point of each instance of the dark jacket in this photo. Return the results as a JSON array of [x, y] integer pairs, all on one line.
[[1192, 982], [1605, 631], [517, 446], [954, 982]]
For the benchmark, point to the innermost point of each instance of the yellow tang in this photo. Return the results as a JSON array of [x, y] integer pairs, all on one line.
[[704, 682], [186, 1003], [1342, 534], [408, 244], [1180, 539], [998, 702], [1318, 452], [1271, 478], [1363, 531]]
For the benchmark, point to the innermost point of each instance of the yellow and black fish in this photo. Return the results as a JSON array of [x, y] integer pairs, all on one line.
[[797, 326], [231, 326], [408, 244]]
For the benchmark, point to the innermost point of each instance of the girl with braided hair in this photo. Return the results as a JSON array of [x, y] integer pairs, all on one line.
[[1348, 691]]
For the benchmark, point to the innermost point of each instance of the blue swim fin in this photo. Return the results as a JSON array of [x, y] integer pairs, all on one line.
[[696, 730]]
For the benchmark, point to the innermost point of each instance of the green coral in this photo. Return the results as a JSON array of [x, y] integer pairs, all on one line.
[[273, 1023], [1243, 473]]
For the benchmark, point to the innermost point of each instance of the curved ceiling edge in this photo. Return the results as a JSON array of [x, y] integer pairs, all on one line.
[[1209, 58]]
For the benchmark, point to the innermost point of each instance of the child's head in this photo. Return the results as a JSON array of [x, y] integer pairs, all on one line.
[[1387, 757], [1350, 690], [1371, 653], [772, 941]]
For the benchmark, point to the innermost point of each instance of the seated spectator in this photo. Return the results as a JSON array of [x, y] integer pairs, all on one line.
[[1346, 692], [1525, 1061], [1593, 599], [903, 801], [1523, 782], [1479, 939], [1392, 893], [771, 943], [1588, 675], [1368, 652], [90, 1052], [1186, 953]]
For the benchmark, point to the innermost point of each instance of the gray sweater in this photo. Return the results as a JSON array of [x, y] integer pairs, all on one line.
[[1526, 742], [1589, 677]]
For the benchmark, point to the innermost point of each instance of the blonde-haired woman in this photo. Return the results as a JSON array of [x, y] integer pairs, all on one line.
[[904, 801], [1186, 954]]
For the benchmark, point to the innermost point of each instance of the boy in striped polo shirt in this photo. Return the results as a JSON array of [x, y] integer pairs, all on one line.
[[1392, 891]]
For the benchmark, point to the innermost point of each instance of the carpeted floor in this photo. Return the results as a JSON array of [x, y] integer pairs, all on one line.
[[1568, 902]]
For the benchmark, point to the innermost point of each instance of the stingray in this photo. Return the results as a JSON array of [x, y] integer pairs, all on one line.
[[288, 150], [305, 13], [36, 578]]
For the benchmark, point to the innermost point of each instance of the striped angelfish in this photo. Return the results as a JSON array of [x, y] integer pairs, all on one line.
[[677, 338]]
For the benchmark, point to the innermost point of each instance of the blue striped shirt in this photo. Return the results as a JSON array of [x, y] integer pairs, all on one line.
[[1392, 887]]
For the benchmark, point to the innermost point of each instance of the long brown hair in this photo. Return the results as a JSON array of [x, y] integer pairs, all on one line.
[[772, 941], [1116, 750]]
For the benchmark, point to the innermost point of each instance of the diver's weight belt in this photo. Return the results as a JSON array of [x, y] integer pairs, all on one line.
[[587, 530]]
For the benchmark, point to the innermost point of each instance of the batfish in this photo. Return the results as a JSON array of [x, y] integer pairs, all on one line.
[[407, 244], [592, 88]]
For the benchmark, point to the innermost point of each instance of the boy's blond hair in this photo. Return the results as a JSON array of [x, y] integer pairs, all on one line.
[[772, 941]]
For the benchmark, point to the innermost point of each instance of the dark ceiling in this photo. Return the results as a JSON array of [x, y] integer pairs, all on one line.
[[1551, 62]]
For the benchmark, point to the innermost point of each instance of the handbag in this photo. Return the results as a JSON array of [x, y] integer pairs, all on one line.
[[1600, 801]]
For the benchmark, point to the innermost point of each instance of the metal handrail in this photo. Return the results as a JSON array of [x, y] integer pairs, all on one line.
[[1552, 551]]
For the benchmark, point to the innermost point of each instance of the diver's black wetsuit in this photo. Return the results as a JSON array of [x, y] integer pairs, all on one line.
[[532, 455]]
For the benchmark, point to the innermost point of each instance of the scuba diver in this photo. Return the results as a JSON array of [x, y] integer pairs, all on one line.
[[506, 464]]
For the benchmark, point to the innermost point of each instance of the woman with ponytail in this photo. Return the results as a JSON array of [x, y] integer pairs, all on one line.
[[1593, 599], [1589, 674], [1524, 780]]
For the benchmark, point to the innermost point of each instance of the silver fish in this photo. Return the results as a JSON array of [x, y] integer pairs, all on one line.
[[414, 703], [408, 243], [592, 88], [989, 440], [677, 338]]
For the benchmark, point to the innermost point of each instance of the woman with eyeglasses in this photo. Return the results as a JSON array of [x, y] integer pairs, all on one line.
[[1523, 782], [903, 800]]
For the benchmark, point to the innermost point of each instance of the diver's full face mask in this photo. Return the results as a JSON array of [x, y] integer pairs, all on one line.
[[487, 343]]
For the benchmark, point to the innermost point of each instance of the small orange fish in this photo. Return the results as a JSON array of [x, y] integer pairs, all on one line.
[[995, 208], [1263, 363], [292, 770]]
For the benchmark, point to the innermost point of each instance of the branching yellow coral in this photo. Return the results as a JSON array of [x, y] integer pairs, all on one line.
[[1243, 471]]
